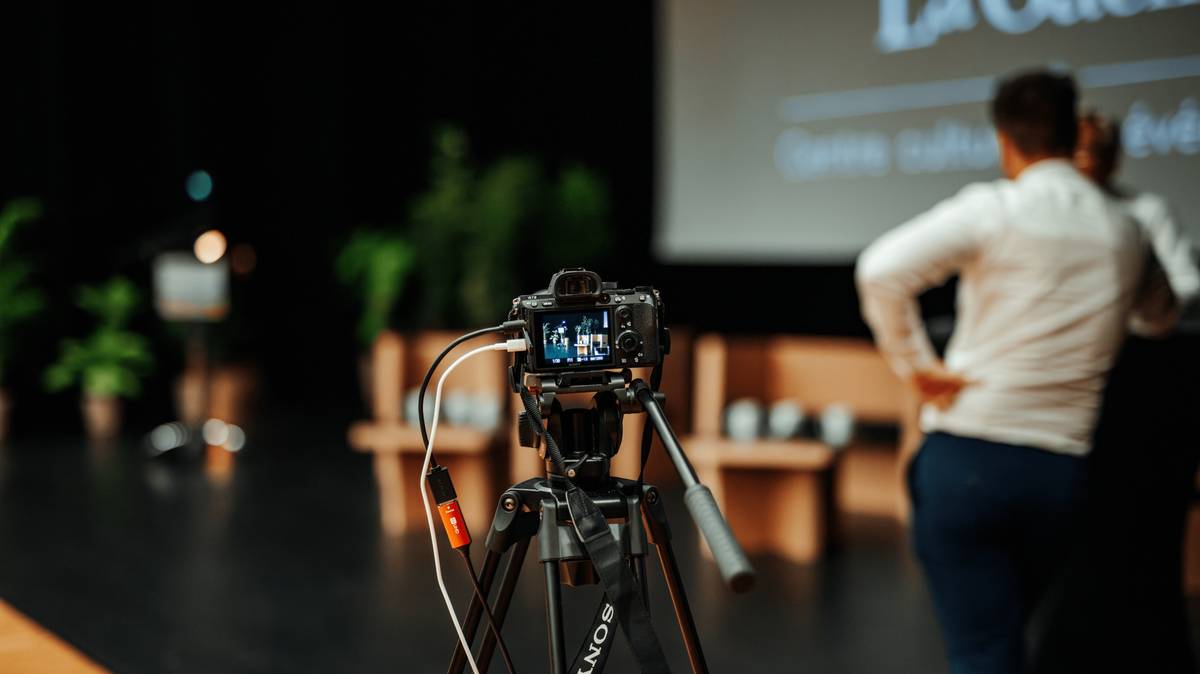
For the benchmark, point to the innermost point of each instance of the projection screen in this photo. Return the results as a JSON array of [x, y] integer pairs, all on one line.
[[799, 131]]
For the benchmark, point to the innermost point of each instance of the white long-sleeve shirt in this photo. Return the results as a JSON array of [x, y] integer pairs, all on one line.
[[1050, 269], [1172, 280]]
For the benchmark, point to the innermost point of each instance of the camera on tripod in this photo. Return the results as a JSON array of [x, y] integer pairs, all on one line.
[[585, 335], [581, 323]]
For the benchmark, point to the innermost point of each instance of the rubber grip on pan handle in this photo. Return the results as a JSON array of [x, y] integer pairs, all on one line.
[[731, 560]]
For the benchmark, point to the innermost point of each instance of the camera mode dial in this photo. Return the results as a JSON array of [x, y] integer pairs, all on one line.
[[629, 341]]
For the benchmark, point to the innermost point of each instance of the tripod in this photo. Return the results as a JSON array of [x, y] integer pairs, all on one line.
[[634, 512]]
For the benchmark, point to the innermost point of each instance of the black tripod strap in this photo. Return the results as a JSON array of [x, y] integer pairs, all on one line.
[[618, 581], [593, 654]]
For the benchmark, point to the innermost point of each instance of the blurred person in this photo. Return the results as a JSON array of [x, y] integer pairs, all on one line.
[[1049, 268], [1171, 281], [1123, 588]]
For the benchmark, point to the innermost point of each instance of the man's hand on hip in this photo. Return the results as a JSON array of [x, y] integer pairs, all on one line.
[[938, 386]]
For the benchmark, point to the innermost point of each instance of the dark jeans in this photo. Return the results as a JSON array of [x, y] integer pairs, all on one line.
[[992, 525]]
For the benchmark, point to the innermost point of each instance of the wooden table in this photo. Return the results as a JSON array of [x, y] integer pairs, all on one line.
[[776, 494]]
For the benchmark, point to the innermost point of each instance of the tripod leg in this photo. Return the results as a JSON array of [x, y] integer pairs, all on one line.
[[508, 584], [655, 519], [554, 618], [491, 562], [640, 567], [683, 610]]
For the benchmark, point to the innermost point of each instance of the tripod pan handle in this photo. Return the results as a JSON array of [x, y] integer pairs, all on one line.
[[731, 560]]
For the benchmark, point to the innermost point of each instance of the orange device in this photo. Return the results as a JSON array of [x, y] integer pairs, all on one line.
[[447, 504]]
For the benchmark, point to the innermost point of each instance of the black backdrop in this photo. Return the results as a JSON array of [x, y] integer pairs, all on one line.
[[314, 119]]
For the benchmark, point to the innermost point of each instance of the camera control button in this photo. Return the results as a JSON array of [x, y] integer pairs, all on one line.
[[629, 341]]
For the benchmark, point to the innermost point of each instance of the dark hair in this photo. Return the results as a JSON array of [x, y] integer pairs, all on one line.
[[1036, 109], [1105, 142]]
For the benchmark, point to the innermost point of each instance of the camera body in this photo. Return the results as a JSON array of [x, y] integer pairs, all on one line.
[[580, 323]]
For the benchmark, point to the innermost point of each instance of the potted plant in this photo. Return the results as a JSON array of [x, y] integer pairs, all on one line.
[[109, 363], [468, 239], [19, 301], [376, 263], [475, 226]]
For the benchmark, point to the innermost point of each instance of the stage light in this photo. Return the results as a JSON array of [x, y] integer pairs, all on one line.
[[215, 432], [199, 185], [209, 246]]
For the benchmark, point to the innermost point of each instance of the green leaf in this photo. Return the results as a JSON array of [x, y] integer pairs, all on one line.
[[15, 213], [113, 302], [112, 359], [581, 228], [507, 199], [378, 264]]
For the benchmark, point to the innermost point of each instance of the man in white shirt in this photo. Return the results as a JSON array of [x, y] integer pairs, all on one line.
[[1049, 270]]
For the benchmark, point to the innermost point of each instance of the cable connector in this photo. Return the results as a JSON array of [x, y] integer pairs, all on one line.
[[446, 498], [514, 345]]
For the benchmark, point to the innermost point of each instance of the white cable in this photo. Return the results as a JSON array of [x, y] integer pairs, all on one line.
[[510, 345]]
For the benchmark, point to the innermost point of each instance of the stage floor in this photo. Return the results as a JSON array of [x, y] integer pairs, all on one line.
[[280, 566]]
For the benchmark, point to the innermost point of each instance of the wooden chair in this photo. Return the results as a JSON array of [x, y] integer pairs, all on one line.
[[780, 496], [474, 456]]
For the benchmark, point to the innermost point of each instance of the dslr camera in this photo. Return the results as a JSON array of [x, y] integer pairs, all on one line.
[[581, 324]]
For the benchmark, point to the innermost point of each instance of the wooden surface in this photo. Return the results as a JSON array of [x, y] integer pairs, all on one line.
[[27, 648], [815, 372], [476, 458], [782, 454], [1191, 552], [369, 436], [772, 509]]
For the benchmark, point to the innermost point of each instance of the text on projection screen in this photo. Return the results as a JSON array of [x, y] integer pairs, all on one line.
[[801, 131]]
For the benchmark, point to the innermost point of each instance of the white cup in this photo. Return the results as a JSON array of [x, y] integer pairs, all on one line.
[[785, 420], [837, 425], [743, 420]]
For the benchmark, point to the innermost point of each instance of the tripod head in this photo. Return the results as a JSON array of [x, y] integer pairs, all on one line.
[[588, 437]]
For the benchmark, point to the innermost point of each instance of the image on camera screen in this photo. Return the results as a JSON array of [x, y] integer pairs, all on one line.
[[575, 338]]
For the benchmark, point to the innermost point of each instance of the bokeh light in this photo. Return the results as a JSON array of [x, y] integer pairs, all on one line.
[[236, 438], [209, 246], [215, 432], [199, 185]]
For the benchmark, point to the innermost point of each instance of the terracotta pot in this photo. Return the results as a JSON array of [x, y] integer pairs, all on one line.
[[101, 416], [4, 408]]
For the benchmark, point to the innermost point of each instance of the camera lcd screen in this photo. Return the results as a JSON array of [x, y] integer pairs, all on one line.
[[574, 339]]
